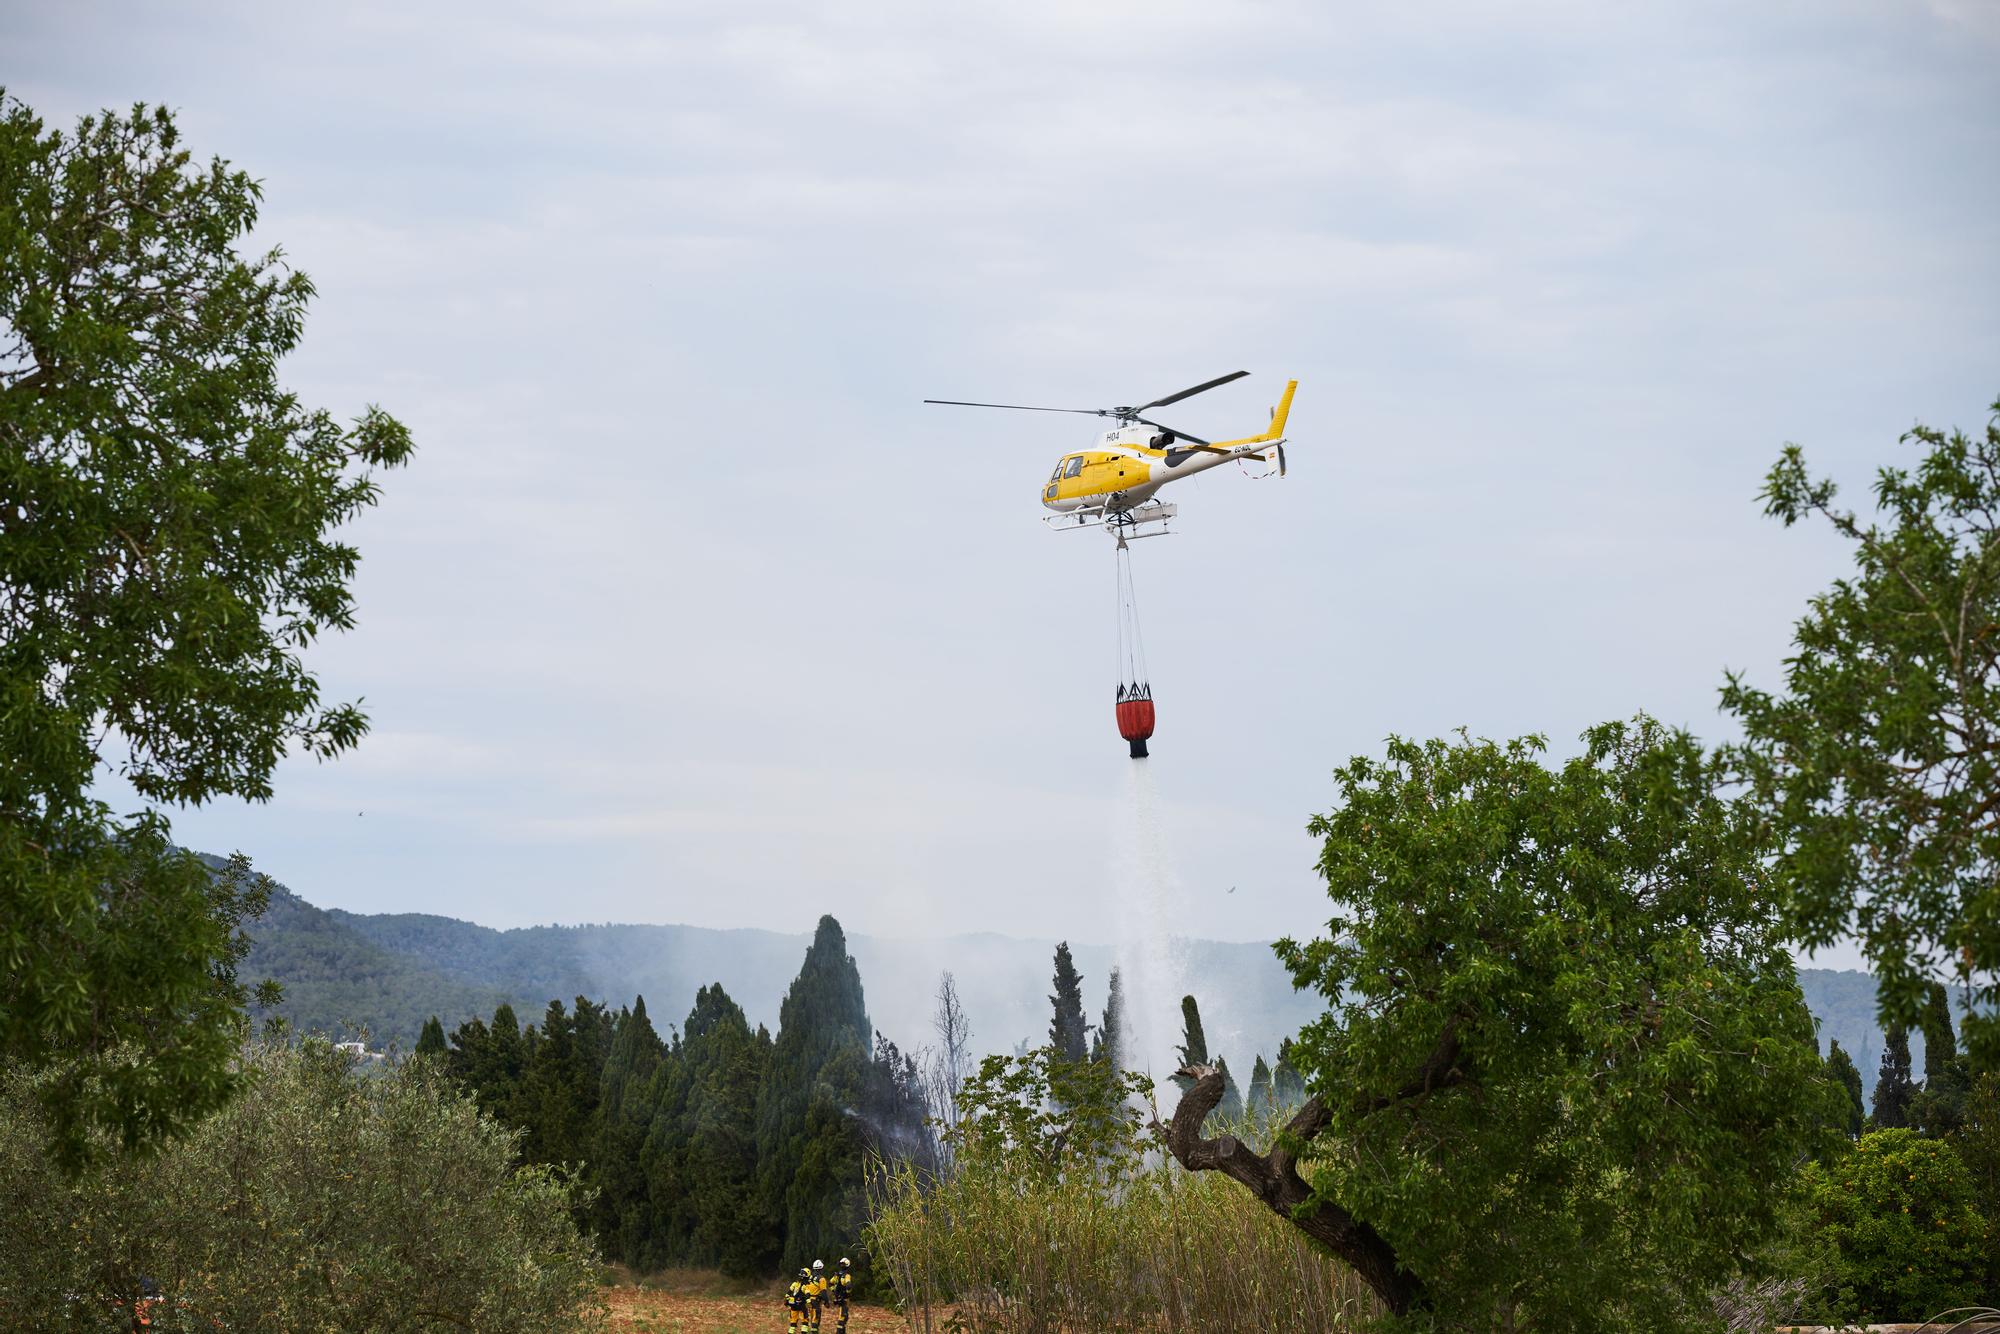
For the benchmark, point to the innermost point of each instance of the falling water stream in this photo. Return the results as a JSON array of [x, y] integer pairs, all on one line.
[[1151, 905]]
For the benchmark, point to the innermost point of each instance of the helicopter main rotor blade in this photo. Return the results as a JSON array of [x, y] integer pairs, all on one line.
[[1190, 393], [1017, 407], [1174, 431]]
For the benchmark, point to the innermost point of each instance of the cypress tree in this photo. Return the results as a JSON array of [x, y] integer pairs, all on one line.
[[1893, 1089], [621, 1214], [1840, 1068], [1194, 1043], [1287, 1087], [1068, 1034], [431, 1042], [1230, 1109], [545, 1107], [1939, 1109], [723, 1066], [809, 1149], [1940, 1042], [1109, 1045], [1261, 1102]]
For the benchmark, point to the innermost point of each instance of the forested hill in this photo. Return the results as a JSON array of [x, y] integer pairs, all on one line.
[[388, 972]]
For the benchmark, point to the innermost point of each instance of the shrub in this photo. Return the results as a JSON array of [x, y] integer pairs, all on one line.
[[1063, 1215], [318, 1199], [1900, 1215]]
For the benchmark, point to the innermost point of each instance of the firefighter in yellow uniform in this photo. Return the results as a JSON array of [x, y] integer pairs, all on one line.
[[797, 1303], [816, 1295], [841, 1285]]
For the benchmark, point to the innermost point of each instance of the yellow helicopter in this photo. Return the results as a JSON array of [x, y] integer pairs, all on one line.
[[1114, 482]]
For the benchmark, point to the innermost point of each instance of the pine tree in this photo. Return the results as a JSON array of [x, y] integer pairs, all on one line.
[[893, 1108], [431, 1041], [1262, 1103], [1108, 1047], [1068, 1035], [1840, 1069], [1893, 1089], [809, 1151], [1194, 1044]]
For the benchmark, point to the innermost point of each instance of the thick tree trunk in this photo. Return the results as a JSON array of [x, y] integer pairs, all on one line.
[[1275, 1180]]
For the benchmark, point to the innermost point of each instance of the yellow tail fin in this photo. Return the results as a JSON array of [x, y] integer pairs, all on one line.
[[1279, 413], [1276, 431]]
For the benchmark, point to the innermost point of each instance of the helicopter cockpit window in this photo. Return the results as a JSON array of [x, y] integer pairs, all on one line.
[[1057, 474], [1075, 466]]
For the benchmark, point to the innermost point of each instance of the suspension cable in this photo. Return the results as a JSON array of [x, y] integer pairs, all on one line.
[[1131, 639]]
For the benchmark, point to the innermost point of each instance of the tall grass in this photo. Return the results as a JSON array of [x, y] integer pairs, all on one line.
[[1114, 1238]]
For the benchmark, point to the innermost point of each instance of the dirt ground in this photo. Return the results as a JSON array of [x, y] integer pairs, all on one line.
[[637, 1310]]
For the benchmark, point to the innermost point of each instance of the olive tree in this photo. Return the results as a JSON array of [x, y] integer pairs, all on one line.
[[1879, 763], [324, 1197], [167, 512], [1565, 1070]]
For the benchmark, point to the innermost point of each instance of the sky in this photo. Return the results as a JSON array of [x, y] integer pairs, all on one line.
[[689, 610]]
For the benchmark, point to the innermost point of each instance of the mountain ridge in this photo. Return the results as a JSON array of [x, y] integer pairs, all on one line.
[[385, 973]]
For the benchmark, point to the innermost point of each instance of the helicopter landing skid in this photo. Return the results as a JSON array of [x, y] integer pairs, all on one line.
[[1123, 524]]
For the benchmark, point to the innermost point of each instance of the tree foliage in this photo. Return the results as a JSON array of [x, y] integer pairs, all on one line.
[[1880, 763], [166, 511], [321, 1198], [1840, 1069], [1565, 1070], [1109, 1044], [1069, 1034], [696, 1151], [808, 1150], [1901, 1214], [1894, 1088]]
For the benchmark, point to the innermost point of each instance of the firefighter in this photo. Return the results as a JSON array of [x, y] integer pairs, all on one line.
[[816, 1291], [841, 1284], [797, 1302]]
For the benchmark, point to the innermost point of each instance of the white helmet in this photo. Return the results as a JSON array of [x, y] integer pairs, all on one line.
[[818, 1265], [843, 1262]]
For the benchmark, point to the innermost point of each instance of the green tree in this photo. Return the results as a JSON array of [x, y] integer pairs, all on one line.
[[1880, 764], [1977, 1140], [621, 1212], [1900, 1212], [1230, 1109], [704, 1202], [1193, 1048], [1893, 1087], [165, 559], [1261, 1103], [1939, 1107], [1840, 1069], [1069, 1035], [1286, 1086], [1109, 1044], [319, 1199], [431, 1041], [809, 1151], [1560, 1008]]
